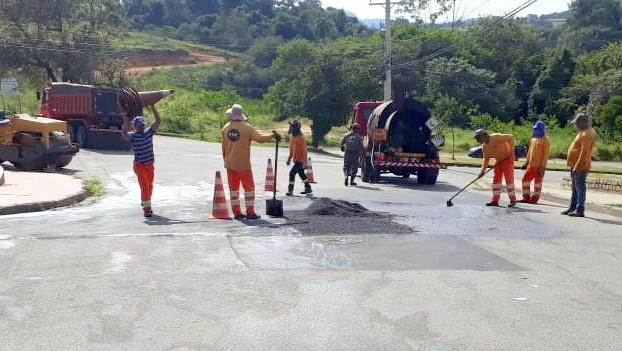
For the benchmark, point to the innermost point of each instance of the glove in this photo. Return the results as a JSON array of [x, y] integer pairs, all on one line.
[[524, 166], [276, 135], [343, 148], [288, 162], [481, 174]]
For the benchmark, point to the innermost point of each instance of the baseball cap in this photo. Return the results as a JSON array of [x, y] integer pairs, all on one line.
[[139, 121]]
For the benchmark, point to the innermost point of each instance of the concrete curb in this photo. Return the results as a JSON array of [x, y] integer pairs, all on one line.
[[44, 206], [602, 209]]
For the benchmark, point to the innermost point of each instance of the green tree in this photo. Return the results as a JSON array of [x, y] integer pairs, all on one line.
[[610, 117], [557, 74], [592, 24], [68, 41]]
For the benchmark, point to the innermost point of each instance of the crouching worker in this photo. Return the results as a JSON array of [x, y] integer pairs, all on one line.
[[142, 145], [501, 148], [298, 154], [352, 145], [237, 136], [537, 158]]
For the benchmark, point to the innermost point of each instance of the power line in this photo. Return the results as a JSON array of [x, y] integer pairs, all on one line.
[[488, 28]]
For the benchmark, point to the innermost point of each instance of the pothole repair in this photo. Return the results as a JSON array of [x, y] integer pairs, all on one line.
[[326, 216]]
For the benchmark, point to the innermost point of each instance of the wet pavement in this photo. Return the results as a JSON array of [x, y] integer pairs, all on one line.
[[101, 277]]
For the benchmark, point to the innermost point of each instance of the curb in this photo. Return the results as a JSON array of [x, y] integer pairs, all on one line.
[[602, 209], [44, 206], [457, 164]]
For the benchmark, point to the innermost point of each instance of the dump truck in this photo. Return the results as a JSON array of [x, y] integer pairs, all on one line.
[[35, 143], [93, 114], [399, 140]]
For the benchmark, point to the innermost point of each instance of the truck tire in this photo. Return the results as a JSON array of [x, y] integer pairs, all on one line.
[[368, 173], [81, 136], [427, 176], [63, 161]]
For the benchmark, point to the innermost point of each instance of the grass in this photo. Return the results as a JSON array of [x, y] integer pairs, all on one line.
[[154, 41], [560, 138], [94, 188]]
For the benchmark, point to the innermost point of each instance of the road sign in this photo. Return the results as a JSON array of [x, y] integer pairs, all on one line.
[[9, 86], [431, 123]]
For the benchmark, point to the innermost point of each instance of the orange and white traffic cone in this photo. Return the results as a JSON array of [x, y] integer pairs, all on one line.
[[309, 172], [269, 187], [220, 210]]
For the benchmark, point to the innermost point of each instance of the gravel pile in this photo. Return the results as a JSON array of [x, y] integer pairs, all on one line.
[[329, 207]]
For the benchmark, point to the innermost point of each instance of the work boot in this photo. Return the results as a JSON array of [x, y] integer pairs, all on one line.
[[576, 214], [307, 190], [147, 212], [567, 212], [290, 191], [253, 216], [493, 204], [512, 205], [352, 181], [346, 182], [239, 217]]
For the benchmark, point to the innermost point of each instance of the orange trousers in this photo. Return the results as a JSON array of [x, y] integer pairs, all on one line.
[[532, 175], [244, 177], [145, 175], [503, 170]]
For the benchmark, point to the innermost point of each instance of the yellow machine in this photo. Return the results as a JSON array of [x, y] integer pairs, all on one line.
[[34, 143]]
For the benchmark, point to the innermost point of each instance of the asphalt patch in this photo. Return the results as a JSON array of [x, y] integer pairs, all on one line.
[[326, 216]]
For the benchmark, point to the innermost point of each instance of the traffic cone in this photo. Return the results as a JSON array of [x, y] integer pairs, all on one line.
[[269, 187], [220, 210], [309, 172]]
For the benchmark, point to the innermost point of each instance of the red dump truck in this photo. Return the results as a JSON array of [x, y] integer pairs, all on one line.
[[92, 113], [398, 138]]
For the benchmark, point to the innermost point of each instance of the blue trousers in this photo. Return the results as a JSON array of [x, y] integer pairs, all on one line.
[[579, 189]]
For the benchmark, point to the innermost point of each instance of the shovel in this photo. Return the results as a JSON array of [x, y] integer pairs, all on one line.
[[274, 207]]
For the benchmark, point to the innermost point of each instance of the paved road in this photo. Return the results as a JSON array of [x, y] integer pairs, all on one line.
[[100, 277]]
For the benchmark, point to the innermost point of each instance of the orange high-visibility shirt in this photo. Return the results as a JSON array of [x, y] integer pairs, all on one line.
[[580, 152], [237, 137], [539, 152], [298, 148], [500, 147]]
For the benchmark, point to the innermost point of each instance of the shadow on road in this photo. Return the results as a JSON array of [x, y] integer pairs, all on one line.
[[412, 184], [606, 221], [363, 187], [160, 220], [110, 152]]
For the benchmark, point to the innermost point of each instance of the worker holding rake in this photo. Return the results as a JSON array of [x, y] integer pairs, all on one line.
[[501, 148]]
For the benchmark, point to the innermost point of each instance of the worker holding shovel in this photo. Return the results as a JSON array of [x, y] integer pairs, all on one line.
[[501, 148], [298, 154], [237, 136]]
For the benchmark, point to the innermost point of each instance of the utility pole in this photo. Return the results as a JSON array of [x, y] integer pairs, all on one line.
[[388, 62]]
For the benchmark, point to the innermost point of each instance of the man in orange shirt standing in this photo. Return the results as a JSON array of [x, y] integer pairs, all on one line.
[[237, 136], [297, 153], [537, 158], [580, 162], [501, 148]]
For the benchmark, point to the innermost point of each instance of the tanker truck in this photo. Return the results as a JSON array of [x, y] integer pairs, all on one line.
[[93, 114], [398, 138]]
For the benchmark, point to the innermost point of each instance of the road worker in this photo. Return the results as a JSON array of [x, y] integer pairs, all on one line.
[[142, 145], [237, 136], [352, 145], [501, 148], [298, 154], [580, 162], [537, 157]]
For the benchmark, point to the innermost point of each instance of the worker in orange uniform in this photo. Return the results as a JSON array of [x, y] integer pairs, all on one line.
[[237, 136], [580, 162], [501, 148], [537, 157], [297, 153]]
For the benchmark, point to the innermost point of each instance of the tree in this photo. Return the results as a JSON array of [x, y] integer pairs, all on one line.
[[592, 24], [68, 41], [610, 118], [425, 10], [557, 74]]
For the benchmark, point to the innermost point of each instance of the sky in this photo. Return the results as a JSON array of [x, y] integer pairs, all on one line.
[[474, 8]]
